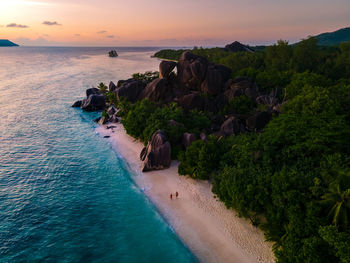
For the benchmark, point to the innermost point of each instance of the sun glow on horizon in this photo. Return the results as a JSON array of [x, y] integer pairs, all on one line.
[[6, 3], [155, 22]]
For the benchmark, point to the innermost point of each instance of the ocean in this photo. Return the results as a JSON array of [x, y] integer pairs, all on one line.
[[65, 195]]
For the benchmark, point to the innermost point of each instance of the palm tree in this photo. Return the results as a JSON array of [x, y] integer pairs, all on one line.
[[339, 202]]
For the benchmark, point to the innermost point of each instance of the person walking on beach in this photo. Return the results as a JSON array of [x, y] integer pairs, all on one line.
[[171, 196], [177, 194]]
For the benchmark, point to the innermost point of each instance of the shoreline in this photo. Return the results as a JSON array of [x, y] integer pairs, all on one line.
[[212, 232]]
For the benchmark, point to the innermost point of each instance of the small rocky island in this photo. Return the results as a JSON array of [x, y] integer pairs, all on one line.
[[198, 86], [113, 54]]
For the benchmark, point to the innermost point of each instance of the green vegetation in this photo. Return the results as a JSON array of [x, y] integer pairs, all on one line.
[[148, 76], [170, 54], [292, 179], [144, 118], [239, 105], [102, 88], [293, 175]]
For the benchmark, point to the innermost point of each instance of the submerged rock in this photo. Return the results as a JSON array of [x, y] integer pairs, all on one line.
[[157, 154]]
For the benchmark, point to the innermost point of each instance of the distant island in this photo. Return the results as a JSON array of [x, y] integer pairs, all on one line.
[[7, 43]]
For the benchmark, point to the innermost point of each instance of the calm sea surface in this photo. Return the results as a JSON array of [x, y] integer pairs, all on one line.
[[65, 196]]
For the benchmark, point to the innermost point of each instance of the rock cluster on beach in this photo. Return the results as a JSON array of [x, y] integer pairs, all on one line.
[[157, 154], [197, 84]]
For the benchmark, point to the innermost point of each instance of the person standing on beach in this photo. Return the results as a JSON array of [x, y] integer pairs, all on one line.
[[177, 194], [171, 196]]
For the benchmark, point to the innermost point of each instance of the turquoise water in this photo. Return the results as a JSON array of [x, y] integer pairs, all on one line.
[[65, 196]]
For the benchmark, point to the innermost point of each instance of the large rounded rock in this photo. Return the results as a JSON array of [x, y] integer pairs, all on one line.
[[77, 104], [213, 81], [165, 68], [112, 86], [225, 72], [122, 82], [245, 86], [191, 70], [187, 55], [188, 139], [230, 126], [130, 90], [92, 91], [157, 154], [159, 90], [191, 101], [94, 103], [199, 68], [184, 74], [258, 121]]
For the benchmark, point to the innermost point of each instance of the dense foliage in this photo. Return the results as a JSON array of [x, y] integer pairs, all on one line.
[[292, 179], [144, 118]]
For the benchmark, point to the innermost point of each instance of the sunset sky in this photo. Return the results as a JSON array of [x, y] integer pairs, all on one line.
[[167, 23]]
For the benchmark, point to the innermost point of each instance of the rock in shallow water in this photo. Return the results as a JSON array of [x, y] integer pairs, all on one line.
[[92, 91], [77, 104], [94, 103]]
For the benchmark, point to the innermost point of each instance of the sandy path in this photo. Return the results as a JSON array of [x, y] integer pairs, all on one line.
[[212, 232]]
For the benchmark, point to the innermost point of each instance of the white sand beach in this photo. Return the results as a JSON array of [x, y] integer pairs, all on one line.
[[211, 231]]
